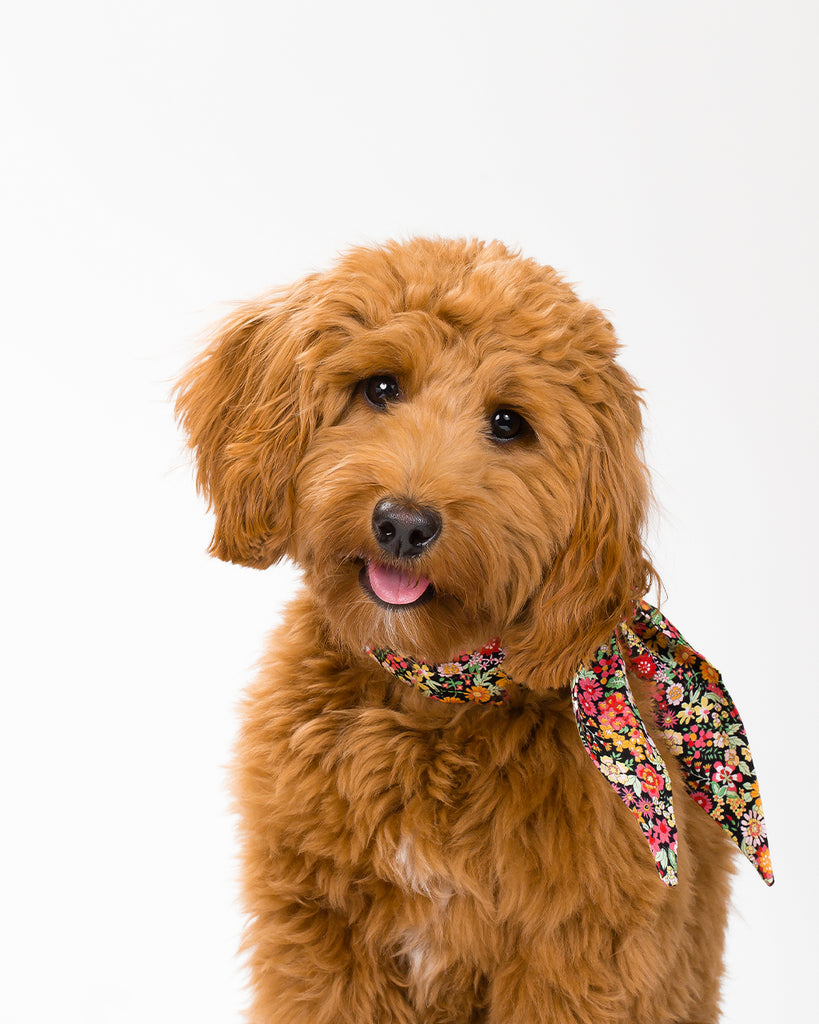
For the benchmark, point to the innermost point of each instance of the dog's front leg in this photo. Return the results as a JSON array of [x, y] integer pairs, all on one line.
[[544, 988], [316, 964]]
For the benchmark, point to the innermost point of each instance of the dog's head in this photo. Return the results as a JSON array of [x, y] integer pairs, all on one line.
[[438, 434]]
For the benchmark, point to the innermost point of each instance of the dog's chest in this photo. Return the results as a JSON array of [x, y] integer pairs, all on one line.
[[414, 873], [444, 855], [423, 938]]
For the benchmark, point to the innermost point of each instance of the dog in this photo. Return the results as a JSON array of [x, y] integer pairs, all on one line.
[[455, 769]]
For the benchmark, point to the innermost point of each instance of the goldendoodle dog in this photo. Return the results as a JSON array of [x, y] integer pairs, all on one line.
[[456, 770]]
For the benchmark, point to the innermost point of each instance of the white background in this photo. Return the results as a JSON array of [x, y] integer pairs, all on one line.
[[161, 157]]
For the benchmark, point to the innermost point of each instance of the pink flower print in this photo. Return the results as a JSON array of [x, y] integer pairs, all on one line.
[[661, 836], [591, 687], [722, 775], [608, 666], [662, 830], [645, 807], [697, 737], [615, 712], [705, 801], [668, 720], [652, 781], [720, 772]]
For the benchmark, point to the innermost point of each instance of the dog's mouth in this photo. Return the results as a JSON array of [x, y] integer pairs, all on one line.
[[394, 588]]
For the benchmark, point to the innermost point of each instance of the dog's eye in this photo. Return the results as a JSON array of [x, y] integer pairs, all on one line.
[[507, 424], [380, 389]]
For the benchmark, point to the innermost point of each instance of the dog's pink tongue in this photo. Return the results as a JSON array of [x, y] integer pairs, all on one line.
[[394, 586]]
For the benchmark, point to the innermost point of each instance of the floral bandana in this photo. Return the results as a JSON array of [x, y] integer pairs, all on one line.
[[471, 677], [697, 716]]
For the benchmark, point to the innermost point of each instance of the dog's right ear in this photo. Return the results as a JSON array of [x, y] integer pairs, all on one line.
[[241, 408]]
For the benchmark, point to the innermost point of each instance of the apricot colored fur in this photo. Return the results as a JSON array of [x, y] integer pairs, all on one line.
[[407, 861]]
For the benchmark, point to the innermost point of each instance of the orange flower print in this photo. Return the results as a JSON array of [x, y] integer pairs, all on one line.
[[684, 655], [709, 673], [481, 694]]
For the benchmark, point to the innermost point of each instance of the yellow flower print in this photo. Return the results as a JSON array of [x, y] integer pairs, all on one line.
[[737, 804], [620, 742], [687, 711]]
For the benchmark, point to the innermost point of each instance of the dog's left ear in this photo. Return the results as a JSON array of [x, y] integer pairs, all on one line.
[[242, 407]]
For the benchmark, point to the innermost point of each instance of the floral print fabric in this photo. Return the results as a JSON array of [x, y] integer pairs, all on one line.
[[470, 677], [703, 729], [615, 738], [693, 709]]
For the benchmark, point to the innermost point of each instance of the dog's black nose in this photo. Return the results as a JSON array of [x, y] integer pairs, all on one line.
[[402, 531]]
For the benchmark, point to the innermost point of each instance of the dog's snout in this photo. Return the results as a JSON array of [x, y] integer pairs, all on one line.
[[402, 531]]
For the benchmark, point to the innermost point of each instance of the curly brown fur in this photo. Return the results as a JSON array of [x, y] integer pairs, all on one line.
[[408, 861]]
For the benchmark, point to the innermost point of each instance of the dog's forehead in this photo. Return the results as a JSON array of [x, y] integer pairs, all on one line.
[[419, 346]]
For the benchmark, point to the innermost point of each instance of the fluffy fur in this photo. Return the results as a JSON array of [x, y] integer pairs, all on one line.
[[408, 861]]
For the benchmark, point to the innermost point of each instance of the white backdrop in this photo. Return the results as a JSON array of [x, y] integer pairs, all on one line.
[[161, 157]]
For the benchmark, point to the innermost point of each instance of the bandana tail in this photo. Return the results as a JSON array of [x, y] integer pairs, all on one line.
[[616, 740], [704, 730]]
